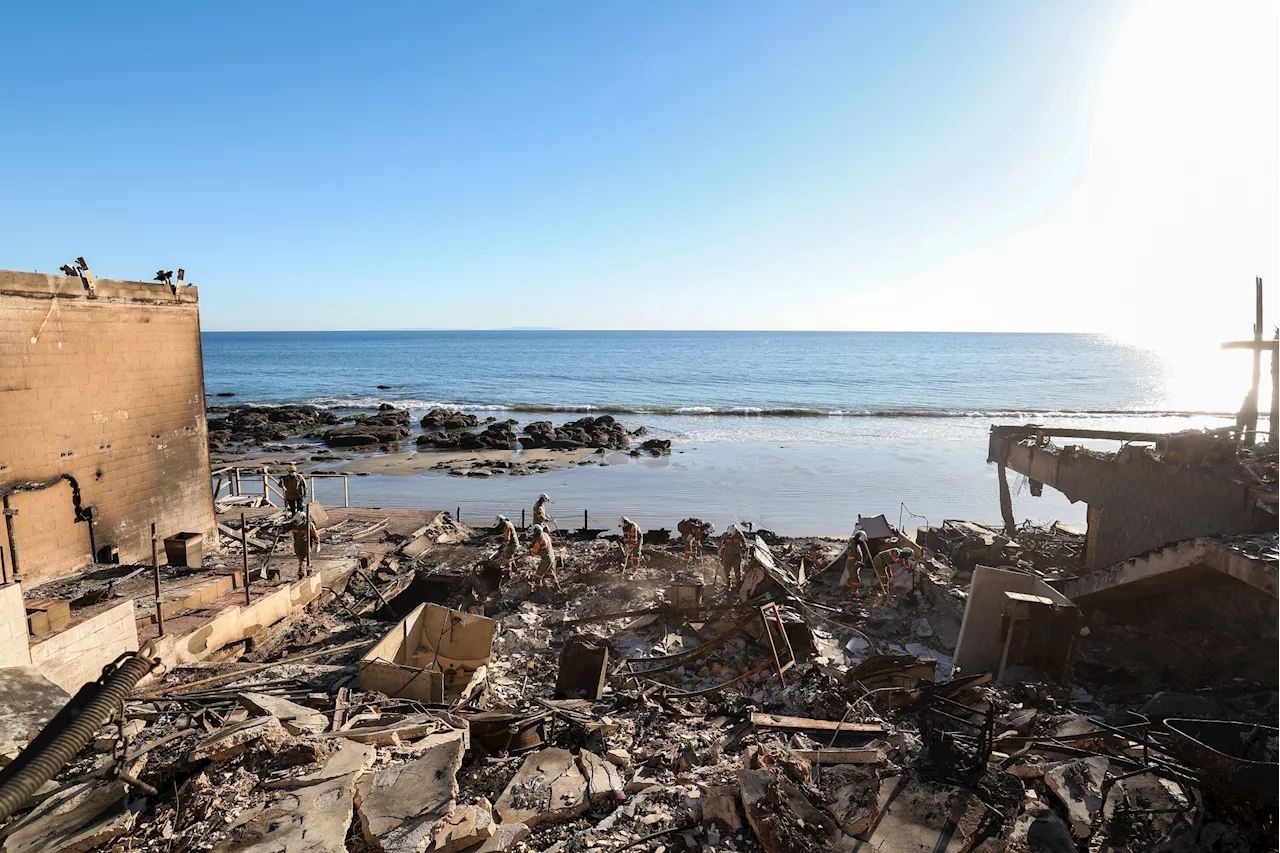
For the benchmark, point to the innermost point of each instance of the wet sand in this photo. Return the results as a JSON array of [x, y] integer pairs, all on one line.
[[799, 489]]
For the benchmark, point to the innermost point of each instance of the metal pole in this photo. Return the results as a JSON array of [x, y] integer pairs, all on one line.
[[308, 528], [266, 495], [9, 513], [244, 546], [346, 495], [457, 514], [585, 525], [522, 519], [155, 569], [1252, 424], [235, 479]]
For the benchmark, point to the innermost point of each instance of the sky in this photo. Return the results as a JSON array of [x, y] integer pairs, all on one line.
[[1056, 166]]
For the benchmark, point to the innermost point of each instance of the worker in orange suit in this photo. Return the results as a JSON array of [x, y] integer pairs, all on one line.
[[545, 551], [631, 545], [732, 546], [693, 531], [510, 545], [540, 510]]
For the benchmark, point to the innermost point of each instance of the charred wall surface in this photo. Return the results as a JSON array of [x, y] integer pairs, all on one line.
[[1138, 503], [102, 419]]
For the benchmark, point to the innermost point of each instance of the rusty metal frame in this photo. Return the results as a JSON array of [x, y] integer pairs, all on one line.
[[636, 666], [773, 648]]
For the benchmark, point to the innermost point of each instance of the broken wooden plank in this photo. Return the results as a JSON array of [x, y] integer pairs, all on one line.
[[371, 529], [235, 534], [775, 721], [841, 756]]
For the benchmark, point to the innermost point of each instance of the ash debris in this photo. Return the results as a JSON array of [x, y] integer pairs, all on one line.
[[669, 711]]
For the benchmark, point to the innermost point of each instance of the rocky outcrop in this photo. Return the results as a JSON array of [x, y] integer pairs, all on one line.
[[446, 420], [657, 446], [499, 436], [261, 423], [603, 431], [387, 427]]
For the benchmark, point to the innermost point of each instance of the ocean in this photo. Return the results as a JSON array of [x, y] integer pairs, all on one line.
[[798, 432]]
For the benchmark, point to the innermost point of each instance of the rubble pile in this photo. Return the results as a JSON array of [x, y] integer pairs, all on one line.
[[661, 712]]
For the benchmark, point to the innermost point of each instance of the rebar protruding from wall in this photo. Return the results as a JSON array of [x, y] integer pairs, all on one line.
[[74, 726]]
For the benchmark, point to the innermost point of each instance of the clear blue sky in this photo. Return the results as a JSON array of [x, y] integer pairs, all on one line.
[[812, 165]]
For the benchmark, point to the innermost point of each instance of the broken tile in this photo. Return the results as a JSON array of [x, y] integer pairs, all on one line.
[[1078, 786], [604, 780], [547, 787], [230, 741], [504, 838], [463, 827], [720, 804]]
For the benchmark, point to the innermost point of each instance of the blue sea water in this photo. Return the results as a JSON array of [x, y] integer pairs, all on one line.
[[801, 431], [786, 374]]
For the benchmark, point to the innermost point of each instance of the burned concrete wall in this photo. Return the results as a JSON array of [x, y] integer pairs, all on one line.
[[102, 419], [1136, 502]]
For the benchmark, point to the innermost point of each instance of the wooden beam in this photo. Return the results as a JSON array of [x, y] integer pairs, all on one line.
[[805, 724], [841, 756], [235, 534], [1262, 346]]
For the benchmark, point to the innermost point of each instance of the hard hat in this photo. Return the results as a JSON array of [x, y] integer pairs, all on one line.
[[293, 467], [537, 530], [544, 497], [708, 527], [624, 521], [860, 535], [500, 519], [732, 528]]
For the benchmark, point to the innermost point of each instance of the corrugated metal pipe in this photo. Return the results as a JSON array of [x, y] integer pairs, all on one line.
[[73, 728]]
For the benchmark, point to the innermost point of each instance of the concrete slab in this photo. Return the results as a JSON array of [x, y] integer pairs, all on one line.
[[421, 789], [310, 818], [28, 700], [547, 787], [79, 818]]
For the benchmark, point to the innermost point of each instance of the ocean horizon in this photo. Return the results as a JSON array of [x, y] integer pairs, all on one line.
[[801, 431]]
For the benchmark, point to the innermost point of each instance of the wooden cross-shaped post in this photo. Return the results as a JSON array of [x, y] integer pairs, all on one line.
[[1248, 417]]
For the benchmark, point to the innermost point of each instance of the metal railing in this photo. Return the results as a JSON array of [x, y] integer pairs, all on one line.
[[239, 481]]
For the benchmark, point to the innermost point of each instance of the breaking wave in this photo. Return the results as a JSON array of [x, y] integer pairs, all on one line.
[[370, 402]]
